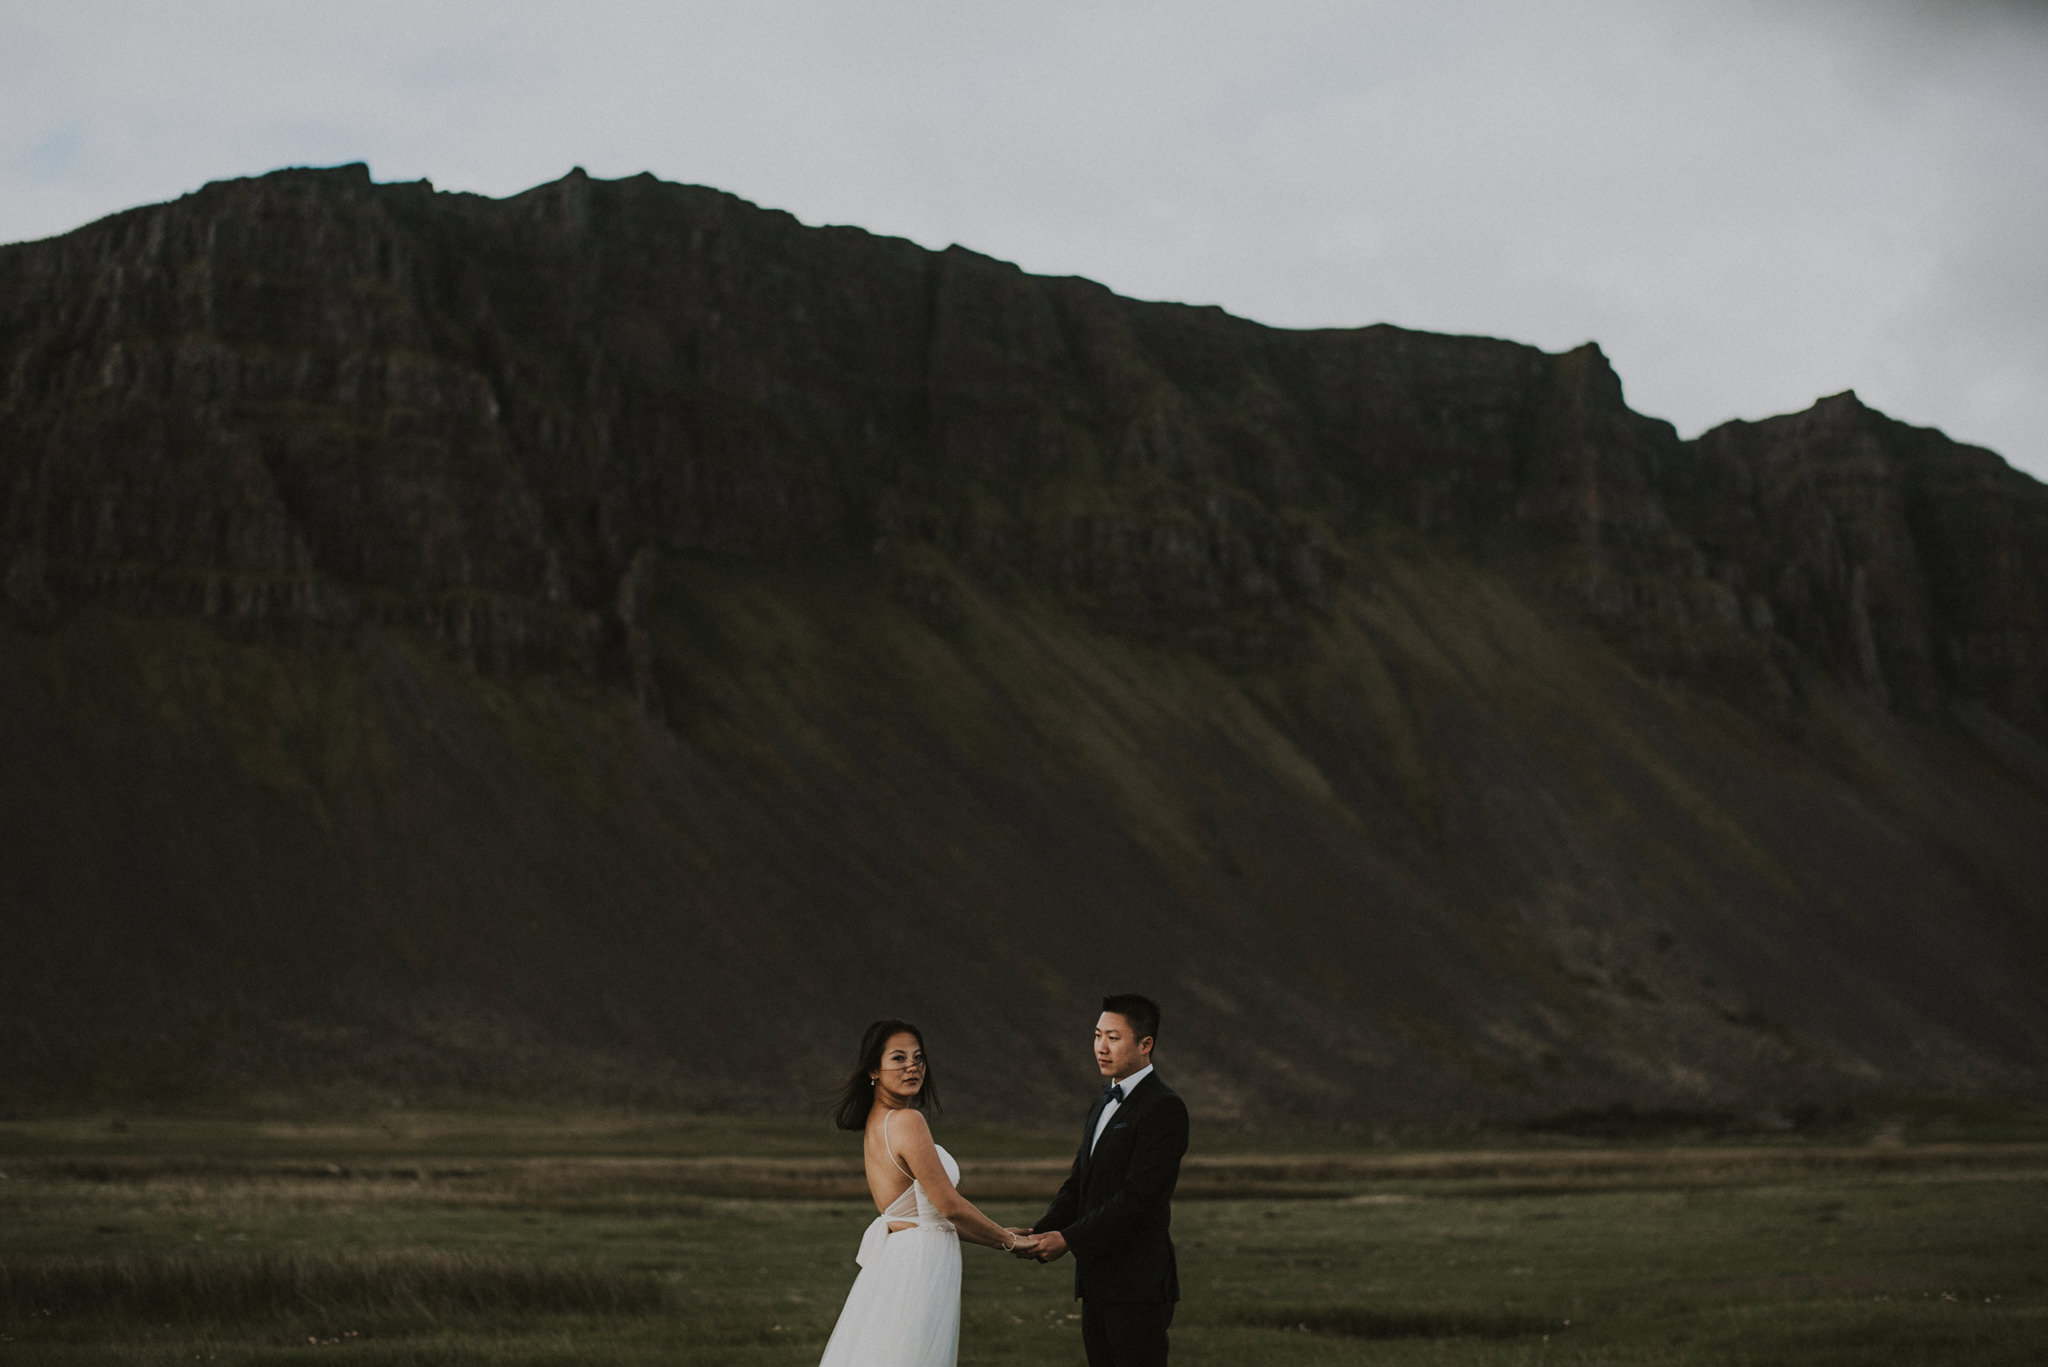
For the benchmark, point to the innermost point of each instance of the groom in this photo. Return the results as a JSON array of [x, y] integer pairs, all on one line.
[[1114, 1209]]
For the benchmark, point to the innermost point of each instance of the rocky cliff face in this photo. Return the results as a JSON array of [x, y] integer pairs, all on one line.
[[1886, 554], [621, 439], [311, 400]]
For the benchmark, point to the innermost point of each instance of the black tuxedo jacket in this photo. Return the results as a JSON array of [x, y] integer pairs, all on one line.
[[1115, 1207]]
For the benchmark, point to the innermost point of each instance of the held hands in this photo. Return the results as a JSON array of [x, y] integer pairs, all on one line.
[[1039, 1248]]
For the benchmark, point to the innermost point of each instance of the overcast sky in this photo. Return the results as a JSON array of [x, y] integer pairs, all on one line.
[[1747, 203]]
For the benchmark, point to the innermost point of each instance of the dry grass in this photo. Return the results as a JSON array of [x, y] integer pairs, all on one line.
[[254, 1251], [259, 1286], [644, 1184], [1355, 1322]]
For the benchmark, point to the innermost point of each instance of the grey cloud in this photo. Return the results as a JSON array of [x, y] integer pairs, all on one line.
[[1748, 204]]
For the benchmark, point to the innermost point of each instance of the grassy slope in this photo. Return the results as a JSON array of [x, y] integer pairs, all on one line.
[[1450, 856]]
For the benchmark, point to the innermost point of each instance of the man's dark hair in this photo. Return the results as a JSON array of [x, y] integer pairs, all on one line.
[[1141, 1012]]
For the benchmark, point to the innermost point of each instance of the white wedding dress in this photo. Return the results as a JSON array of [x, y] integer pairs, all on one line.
[[904, 1308]]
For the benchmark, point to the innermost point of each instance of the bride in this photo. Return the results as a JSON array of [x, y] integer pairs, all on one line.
[[904, 1308]]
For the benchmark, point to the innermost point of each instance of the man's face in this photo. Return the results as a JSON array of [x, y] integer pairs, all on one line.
[[1118, 1051]]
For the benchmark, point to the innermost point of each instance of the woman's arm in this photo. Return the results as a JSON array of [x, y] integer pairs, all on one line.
[[914, 1146]]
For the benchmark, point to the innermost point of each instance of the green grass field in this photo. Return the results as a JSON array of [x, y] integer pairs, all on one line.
[[519, 1239]]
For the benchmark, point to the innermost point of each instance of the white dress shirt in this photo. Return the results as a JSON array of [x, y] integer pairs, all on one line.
[[1115, 1105]]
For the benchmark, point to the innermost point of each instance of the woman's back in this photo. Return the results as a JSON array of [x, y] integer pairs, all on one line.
[[904, 1308]]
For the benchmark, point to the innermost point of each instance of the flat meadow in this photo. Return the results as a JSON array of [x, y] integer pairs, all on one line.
[[530, 1238]]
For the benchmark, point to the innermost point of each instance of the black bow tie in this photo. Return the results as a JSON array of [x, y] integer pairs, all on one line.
[[1112, 1091]]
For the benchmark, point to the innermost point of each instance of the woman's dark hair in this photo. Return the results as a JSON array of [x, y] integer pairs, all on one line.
[[850, 1108]]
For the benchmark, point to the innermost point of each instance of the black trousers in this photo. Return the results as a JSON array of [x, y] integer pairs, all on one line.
[[1126, 1335]]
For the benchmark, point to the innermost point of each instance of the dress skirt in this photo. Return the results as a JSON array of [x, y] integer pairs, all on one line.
[[904, 1308]]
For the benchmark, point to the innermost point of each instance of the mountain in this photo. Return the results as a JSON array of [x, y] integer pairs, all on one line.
[[614, 641]]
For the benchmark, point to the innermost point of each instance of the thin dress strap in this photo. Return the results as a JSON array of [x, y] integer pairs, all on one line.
[[891, 1152], [884, 1224]]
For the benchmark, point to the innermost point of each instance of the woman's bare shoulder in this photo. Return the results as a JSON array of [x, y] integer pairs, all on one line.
[[910, 1124]]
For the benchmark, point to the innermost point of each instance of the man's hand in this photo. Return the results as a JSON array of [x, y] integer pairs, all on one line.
[[1051, 1246]]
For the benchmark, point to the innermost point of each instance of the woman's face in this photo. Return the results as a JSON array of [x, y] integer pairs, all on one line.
[[902, 1070]]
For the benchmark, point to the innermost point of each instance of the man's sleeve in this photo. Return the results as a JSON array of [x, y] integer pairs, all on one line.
[[1148, 1183], [1066, 1203]]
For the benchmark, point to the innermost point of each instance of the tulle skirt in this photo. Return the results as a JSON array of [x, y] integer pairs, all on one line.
[[904, 1308]]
